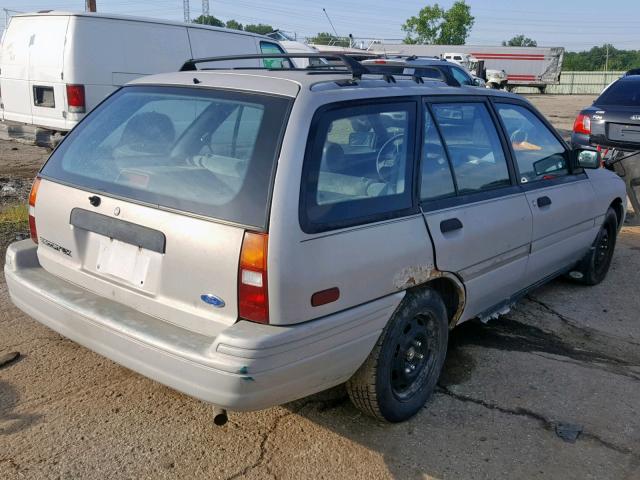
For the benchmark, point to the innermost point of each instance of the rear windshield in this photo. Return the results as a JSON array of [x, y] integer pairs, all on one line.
[[204, 151], [625, 93]]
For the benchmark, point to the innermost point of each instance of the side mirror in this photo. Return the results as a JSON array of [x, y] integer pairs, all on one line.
[[588, 158], [478, 82]]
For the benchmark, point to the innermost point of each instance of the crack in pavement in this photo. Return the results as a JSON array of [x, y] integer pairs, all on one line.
[[323, 406], [546, 423], [587, 331], [614, 369]]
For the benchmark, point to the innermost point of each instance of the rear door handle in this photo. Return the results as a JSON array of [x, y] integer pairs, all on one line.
[[450, 225], [543, 201]]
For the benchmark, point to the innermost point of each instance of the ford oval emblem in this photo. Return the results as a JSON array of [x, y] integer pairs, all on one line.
[[212, 300]]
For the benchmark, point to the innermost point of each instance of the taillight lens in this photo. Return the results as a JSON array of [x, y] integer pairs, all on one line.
[[582, 124], [32, 209], [76, 98], [253, 300]]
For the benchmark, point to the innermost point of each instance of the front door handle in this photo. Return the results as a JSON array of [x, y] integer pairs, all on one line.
[[450, 225], [543, 201]]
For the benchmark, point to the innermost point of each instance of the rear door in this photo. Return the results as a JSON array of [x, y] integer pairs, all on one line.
[[46, 57], [478, 218], [560, 197], [14, 69]]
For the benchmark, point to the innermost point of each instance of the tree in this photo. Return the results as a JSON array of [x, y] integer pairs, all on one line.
[[326, 38], [599, 57], [435, 25], [234, 25], [260, 28], [520, 41], [209, 20]]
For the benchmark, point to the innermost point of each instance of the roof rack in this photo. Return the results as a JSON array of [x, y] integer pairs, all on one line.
[[633, 71], [350, 65]]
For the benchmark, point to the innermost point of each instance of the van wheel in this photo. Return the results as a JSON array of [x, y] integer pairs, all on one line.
[[594, 266], [401, 371]]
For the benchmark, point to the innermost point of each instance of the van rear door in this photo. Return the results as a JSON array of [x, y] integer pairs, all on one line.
[[46, 57], [14, 70]]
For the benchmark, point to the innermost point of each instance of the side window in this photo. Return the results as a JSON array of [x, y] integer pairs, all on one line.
[[539, 154], [268, 47], [435, 174], [461, 76], [474, 147], [360, 163]]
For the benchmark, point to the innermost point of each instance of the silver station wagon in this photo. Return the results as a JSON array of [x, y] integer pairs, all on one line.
[[253, 236]]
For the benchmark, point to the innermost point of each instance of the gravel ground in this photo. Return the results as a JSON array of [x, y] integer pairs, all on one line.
[[565, 355]]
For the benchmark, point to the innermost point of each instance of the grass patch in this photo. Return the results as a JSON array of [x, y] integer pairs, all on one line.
[[14, 214]]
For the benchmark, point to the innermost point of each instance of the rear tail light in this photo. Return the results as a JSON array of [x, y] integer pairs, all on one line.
[[582, 124], [32, 209], [253, 300], [76, 99]]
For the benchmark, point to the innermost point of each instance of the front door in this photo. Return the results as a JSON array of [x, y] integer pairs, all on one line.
[[479, 220], [560, 197]]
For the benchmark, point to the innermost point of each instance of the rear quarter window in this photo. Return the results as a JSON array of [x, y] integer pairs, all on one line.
[[358, 165]]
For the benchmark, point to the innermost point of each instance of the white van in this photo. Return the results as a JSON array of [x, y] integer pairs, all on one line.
[[57, 66]]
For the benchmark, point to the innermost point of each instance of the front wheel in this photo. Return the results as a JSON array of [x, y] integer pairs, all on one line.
[[402, 370], [594, 266]]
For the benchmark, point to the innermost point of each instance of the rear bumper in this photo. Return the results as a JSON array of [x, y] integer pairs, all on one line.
[[246, 367]]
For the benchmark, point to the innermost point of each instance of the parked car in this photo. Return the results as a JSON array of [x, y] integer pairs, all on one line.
[[493, 78], [613, 120], [57, 66], [525, 66], [253, 237], [434, 68]]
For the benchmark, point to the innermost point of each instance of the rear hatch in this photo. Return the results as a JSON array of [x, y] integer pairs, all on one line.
[[147, 201]]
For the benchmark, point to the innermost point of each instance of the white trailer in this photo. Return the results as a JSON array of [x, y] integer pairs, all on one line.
[[57, 66], [525, 66]]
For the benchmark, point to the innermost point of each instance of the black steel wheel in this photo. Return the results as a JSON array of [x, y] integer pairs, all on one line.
[[594, 266], [401, 372]]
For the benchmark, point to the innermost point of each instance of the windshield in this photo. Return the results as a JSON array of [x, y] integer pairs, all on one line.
[[203, 151], [624, 93]]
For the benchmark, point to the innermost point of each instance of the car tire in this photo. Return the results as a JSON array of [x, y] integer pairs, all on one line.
[[594, 266], [402, 370]]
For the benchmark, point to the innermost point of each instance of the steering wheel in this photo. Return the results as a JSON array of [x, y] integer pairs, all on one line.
[[518, 136], [386, 161]]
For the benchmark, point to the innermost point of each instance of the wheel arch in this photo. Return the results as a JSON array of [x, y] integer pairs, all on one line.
[[617, 207], [451, 290]]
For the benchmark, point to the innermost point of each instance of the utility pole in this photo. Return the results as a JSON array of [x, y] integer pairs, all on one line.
[[205, 7], [606, 59], [90, 6], [185, 8]]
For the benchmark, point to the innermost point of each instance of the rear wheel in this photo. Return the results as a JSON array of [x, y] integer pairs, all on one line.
[[594, 266], [401, 372]]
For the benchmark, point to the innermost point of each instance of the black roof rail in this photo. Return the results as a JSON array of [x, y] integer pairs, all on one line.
[[352, 66], [633, 71]]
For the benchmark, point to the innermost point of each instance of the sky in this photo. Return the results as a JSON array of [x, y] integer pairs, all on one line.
[[573, 24]]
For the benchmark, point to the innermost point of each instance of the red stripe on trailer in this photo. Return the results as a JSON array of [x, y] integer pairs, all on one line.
[[511, 56]]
